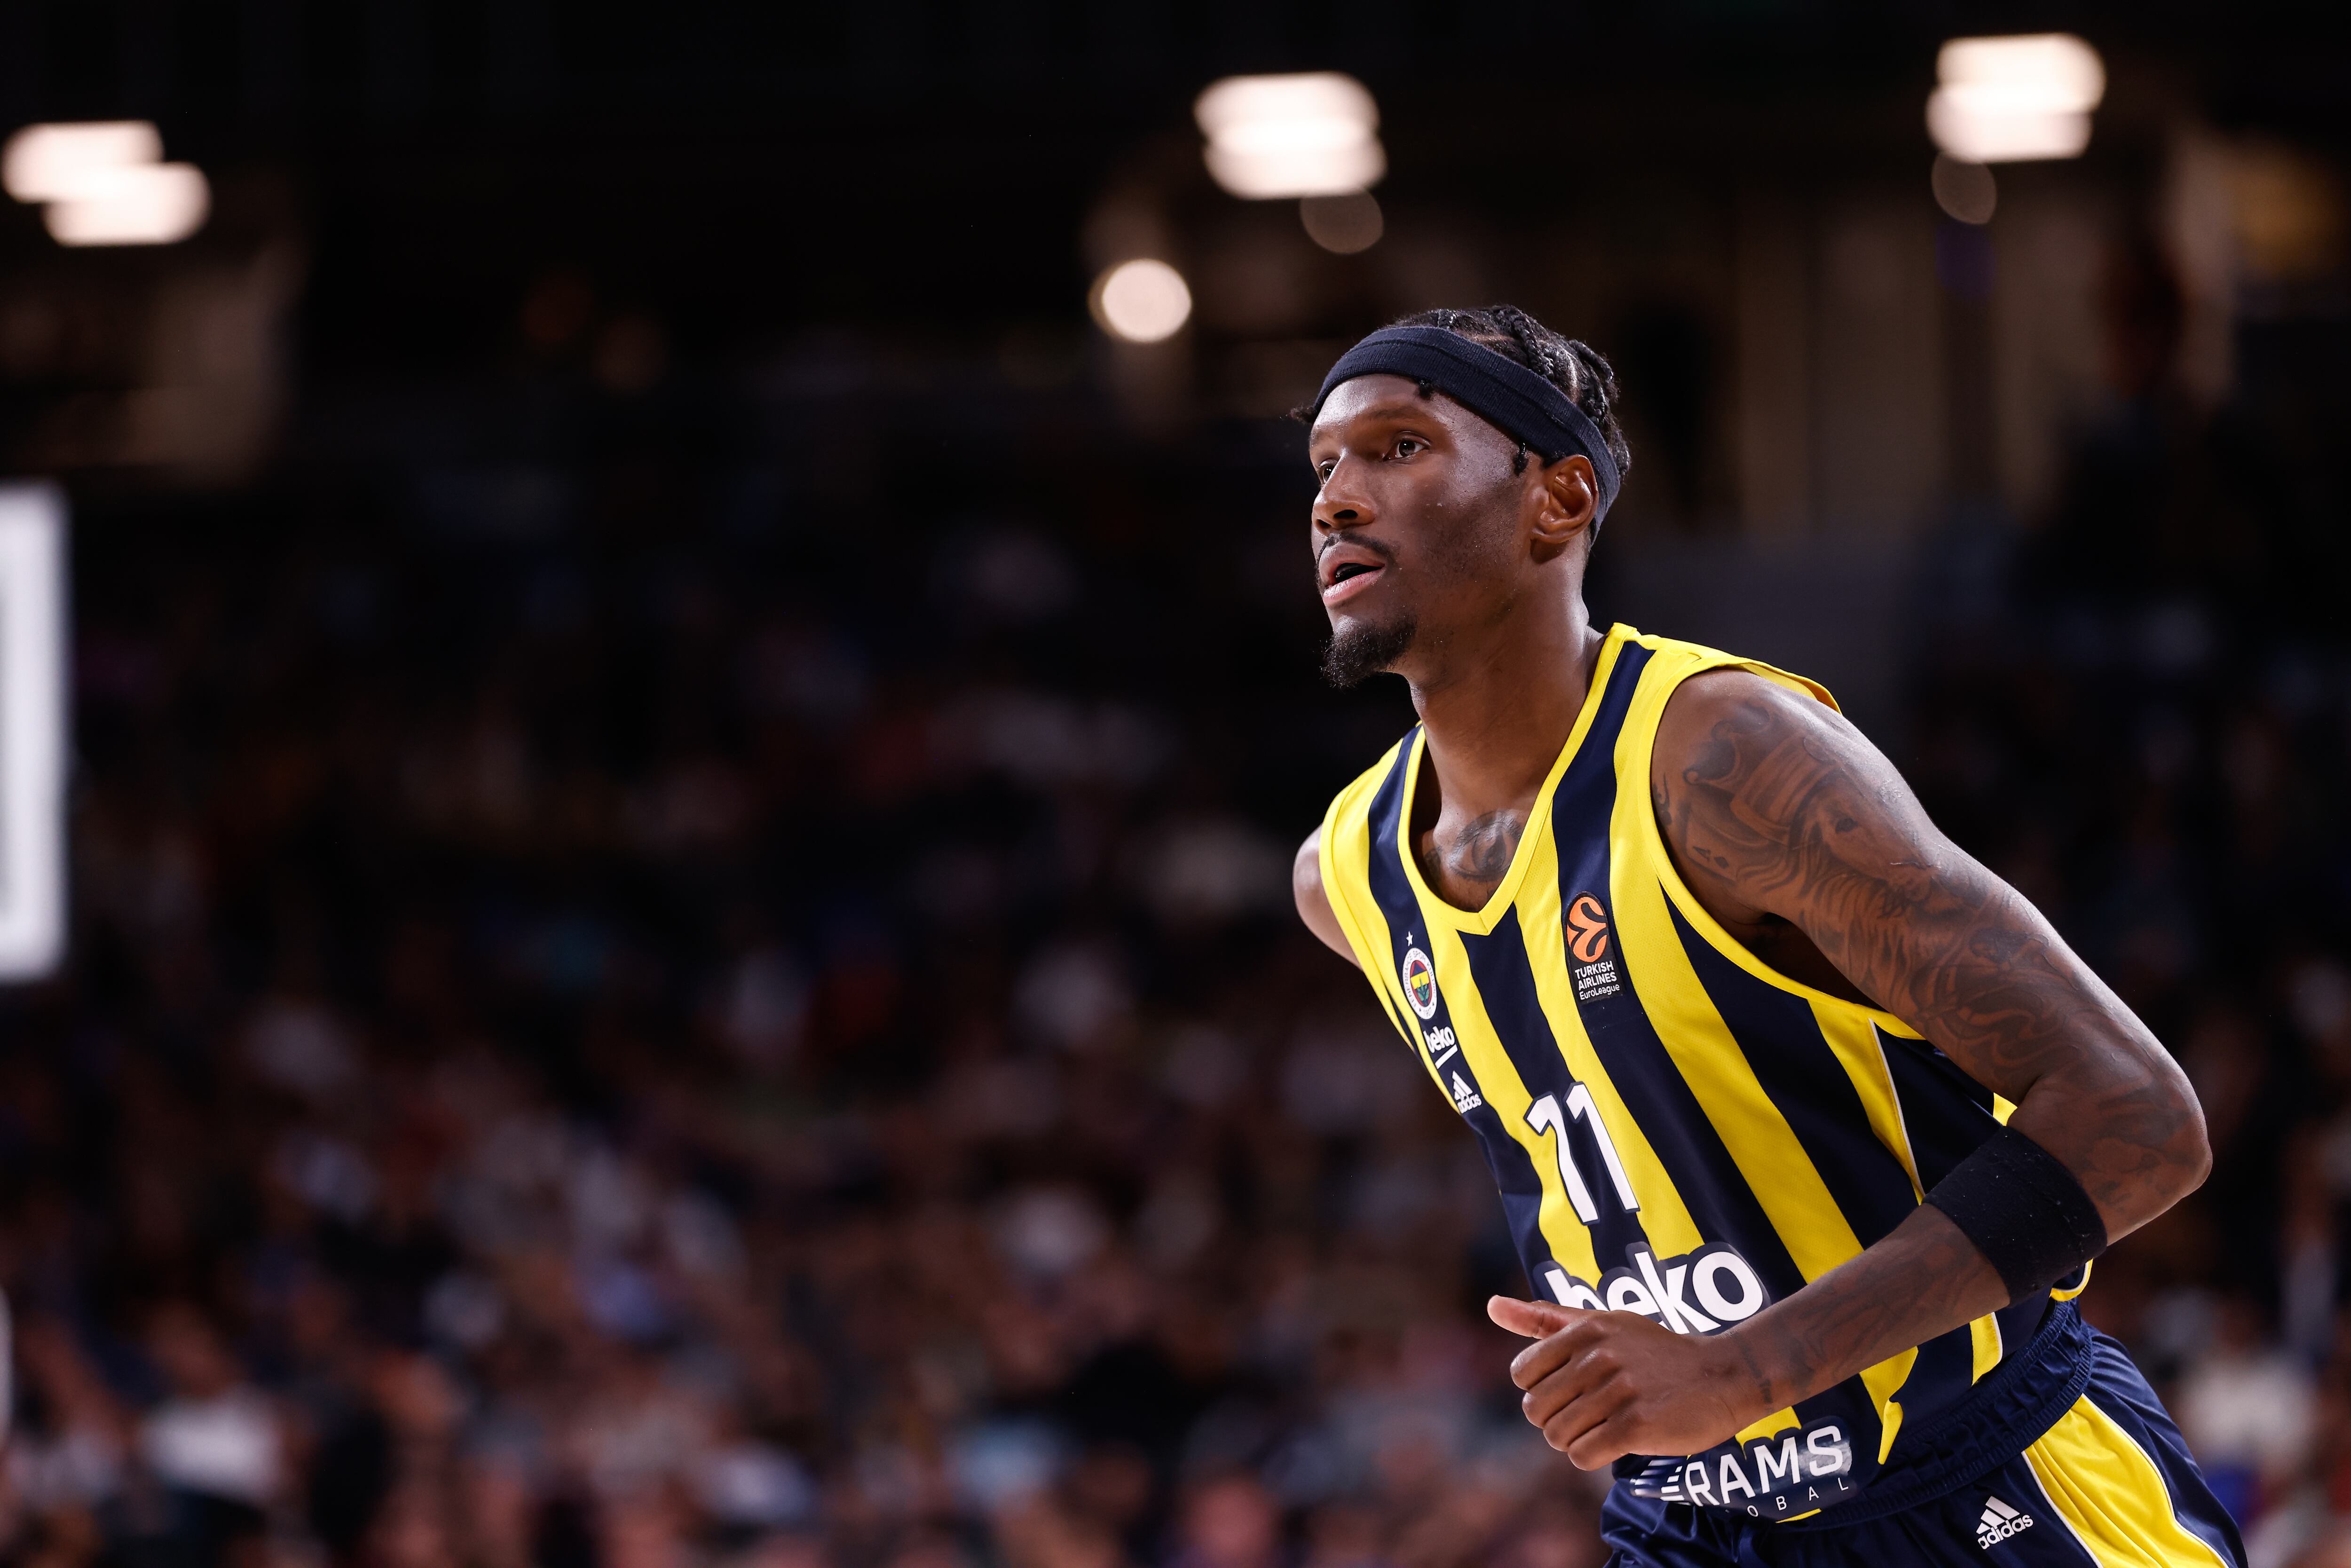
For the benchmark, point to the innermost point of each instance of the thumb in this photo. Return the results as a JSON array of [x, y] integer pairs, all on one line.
[[1535, 1320]]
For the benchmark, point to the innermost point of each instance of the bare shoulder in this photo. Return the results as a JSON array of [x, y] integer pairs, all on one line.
[[1709, 714], [1755, 785], [1314, 900]]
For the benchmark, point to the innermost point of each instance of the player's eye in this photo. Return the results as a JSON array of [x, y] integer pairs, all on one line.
[[1323, 470], [1405, 446]]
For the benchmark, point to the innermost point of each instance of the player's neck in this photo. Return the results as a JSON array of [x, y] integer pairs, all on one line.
[[1499, 705]]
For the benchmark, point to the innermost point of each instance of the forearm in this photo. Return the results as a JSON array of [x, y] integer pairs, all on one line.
[[1922, 1280], [1602, 1385], [1969, 1251]]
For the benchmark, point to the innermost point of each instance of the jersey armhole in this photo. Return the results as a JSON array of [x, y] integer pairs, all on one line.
[[1643, 747], [1375, 966], [1334, 890]]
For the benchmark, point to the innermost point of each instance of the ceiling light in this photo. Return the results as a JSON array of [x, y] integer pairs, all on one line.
[[1312, 134], [154, 203], [1142, 301], [53, 162], [104, 182], [2003, 100]]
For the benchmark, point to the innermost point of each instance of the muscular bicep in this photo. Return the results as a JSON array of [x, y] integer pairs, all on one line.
[[1313, 902], [1777, 806]]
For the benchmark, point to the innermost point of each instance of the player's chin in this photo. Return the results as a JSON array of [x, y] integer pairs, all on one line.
[[1361, 647]]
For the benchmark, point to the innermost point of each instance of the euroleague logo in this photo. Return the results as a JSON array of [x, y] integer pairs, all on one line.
[[1420, 983], [1587, 923], [1594, 972]]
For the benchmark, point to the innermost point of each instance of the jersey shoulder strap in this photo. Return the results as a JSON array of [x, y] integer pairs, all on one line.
[[1674, 661]]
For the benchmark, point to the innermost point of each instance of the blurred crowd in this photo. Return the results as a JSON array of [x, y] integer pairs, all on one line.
[[2140, 715], [705, 977], [684, 1000]]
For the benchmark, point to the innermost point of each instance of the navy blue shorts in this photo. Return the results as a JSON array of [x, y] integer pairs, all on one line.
[[2110, 1485]]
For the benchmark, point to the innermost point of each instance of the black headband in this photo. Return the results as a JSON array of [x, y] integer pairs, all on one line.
[[1503, 393]]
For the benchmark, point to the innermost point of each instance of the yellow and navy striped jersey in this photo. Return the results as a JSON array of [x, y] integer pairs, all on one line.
[[1677, 1129]]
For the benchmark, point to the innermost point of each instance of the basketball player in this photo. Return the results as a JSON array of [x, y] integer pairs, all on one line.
[[1806, 1125]]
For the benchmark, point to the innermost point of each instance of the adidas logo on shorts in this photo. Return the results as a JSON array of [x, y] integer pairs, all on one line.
[[1999, 1522]]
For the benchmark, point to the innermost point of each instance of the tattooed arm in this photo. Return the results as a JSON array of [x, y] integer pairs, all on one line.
[[1778, 811], [1806, 844]]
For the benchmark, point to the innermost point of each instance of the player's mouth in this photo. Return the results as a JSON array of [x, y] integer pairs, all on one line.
[[1347, 571]]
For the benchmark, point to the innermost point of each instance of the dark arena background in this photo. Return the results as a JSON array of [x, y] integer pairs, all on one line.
[[684, 712]]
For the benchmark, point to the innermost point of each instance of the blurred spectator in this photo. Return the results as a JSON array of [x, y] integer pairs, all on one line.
[[1230, 1522], [2246, 1409]]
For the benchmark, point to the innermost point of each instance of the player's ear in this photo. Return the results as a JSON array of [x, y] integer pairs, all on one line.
[[1565, 498]]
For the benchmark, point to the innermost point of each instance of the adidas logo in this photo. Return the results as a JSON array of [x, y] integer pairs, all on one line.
[[1465, 1099], [1999, 1522]]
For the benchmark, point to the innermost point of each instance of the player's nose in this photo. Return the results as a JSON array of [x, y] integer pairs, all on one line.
[[1340, 503]]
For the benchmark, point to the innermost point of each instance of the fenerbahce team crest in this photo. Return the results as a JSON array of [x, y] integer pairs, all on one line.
[[1420, 982]]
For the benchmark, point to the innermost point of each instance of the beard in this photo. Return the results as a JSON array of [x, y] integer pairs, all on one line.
[[1354, 655]]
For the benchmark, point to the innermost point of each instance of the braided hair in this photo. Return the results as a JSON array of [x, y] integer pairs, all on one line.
[[1569, 364]]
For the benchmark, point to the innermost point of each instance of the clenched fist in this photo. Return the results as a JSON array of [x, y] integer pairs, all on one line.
[[1604, 1385]]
